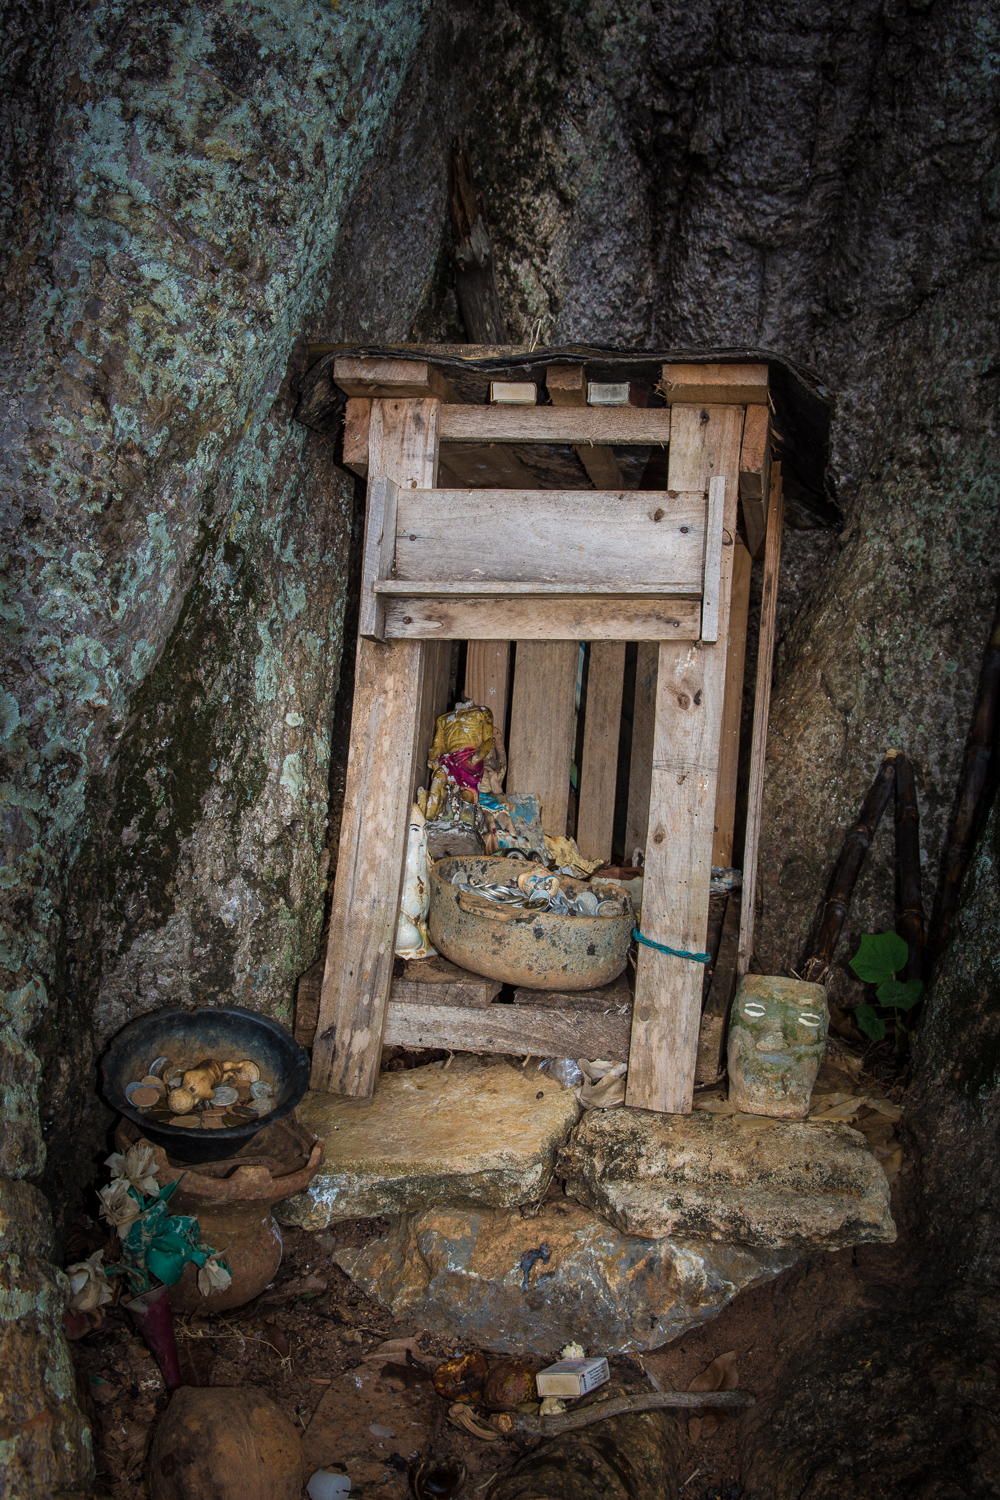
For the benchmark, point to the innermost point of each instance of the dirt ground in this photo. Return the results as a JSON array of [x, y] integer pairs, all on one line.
[[311, 1343]]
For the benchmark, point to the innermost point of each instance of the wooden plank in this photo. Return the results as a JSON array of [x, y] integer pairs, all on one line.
[[690, 693], [357, 420], [524, 1030], [378, 553], [761, 711], [599, 761], [713, 559], [542, 715], [737, 385], [641, 760], [551, 536], [389, 676], [575, 617], [712, 1033], [420, 588], [391, 378], [567, 387], [614, 998], [732, 713], [487, 664], [436, 981], [634, 425], [433, 701], [755, 469]]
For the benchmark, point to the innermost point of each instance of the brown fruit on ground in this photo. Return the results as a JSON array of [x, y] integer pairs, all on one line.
[[220, 1443]]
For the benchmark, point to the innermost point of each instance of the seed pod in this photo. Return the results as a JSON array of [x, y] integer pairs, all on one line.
[[461, 1378], [181, 1101], [509, 1383]]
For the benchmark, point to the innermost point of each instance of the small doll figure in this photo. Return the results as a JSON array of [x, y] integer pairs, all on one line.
[[466, 755]]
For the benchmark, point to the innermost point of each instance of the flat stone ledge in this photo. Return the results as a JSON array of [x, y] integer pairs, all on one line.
[[483, 1138], [461, 1273], [768, 1184]]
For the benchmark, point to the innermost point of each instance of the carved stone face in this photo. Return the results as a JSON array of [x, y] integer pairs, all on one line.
[[777, 1033]]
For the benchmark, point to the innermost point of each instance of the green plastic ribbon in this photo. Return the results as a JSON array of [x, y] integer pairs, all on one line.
[[697, 958]]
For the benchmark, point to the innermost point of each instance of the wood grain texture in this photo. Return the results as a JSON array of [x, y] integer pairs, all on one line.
[[487, 664], [739, 385], [552, 536], [557, 619], [599, 761], [713, 559], [436, 676], [542, 717], [761, 712], [524, 1030], [732, 713], [377, 555], [690, 694], [393, 378], [567, 387], [433, 980], [715, 1016], [755, 472], [403, 447], [603, 425], [641, 758], [357, 419]]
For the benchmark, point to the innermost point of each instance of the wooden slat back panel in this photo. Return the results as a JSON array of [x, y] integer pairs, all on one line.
[[552, 536], [542, 716]]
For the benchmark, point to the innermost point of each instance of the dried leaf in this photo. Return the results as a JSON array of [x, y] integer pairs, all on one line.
[[461, 1416], [720, 1375], [397, 1349], [279, 1338]]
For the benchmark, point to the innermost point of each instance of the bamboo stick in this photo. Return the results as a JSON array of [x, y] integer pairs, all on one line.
[[617, 1406], [969, 802], [845, 872], [909, 899]]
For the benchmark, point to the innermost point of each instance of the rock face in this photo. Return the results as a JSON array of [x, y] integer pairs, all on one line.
[[762, 1183], [485, 1138], [44, 1441], [477, 1275]]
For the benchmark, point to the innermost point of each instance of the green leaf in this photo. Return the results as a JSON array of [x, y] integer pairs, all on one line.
[[902, 994], [880, 955], [868, 1022]]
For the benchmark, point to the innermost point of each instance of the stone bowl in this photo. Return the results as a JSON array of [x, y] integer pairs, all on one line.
[[223, 1031], [539, 950]]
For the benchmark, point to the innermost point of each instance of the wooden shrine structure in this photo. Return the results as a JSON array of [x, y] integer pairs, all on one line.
[[472, 534]]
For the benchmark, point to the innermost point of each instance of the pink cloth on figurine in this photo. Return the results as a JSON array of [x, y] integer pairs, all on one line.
[[458, 768]]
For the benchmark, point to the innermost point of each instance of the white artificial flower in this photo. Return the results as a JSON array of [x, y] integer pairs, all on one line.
[[212, 1277], [137, 1167], [118, 1205], [89, 1286]]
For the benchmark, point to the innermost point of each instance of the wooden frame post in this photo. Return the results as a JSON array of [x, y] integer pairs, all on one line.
[[690, 694], [388, 697]]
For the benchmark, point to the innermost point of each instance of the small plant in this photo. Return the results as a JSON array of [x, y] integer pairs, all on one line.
[[878, 960]]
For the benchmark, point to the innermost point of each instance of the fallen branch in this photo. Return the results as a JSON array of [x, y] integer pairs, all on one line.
[[618, 1406]]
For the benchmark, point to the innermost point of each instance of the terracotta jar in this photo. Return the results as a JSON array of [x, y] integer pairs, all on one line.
[[232, 1200]]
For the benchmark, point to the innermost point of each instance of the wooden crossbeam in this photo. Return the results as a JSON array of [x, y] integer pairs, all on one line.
[[605, 425], [573, 616], [742, 385], [391, 378]]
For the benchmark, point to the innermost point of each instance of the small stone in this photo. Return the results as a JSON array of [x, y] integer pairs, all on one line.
[[456, 1272], [750, 1181], [433, 1136]]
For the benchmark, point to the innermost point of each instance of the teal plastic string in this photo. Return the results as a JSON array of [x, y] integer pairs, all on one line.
[[698, 958]]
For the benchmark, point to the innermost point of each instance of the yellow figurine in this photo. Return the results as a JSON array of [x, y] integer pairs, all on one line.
[[467, 754]]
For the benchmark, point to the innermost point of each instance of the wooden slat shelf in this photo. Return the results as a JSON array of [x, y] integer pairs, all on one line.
[[608, 426], [431, 589]]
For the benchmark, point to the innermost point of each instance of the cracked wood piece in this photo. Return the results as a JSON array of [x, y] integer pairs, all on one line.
[[357, 419], [379, 552], [739, 385], [732, 713], [690, 693], [542, 713], [524, 1030], [641, 758], [755, 470], [487, 664], [712, 1033], [389, 379], [713, 559], [761, 711], [567, 386], [599, 761], [574, 617], [636, 426], [436, 981], [403, 447]]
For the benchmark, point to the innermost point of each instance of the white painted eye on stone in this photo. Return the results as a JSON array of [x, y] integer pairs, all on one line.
[[809, 1020], [753, 1009]]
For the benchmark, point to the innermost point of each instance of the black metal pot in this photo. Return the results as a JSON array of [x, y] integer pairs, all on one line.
[[223, 1031]]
